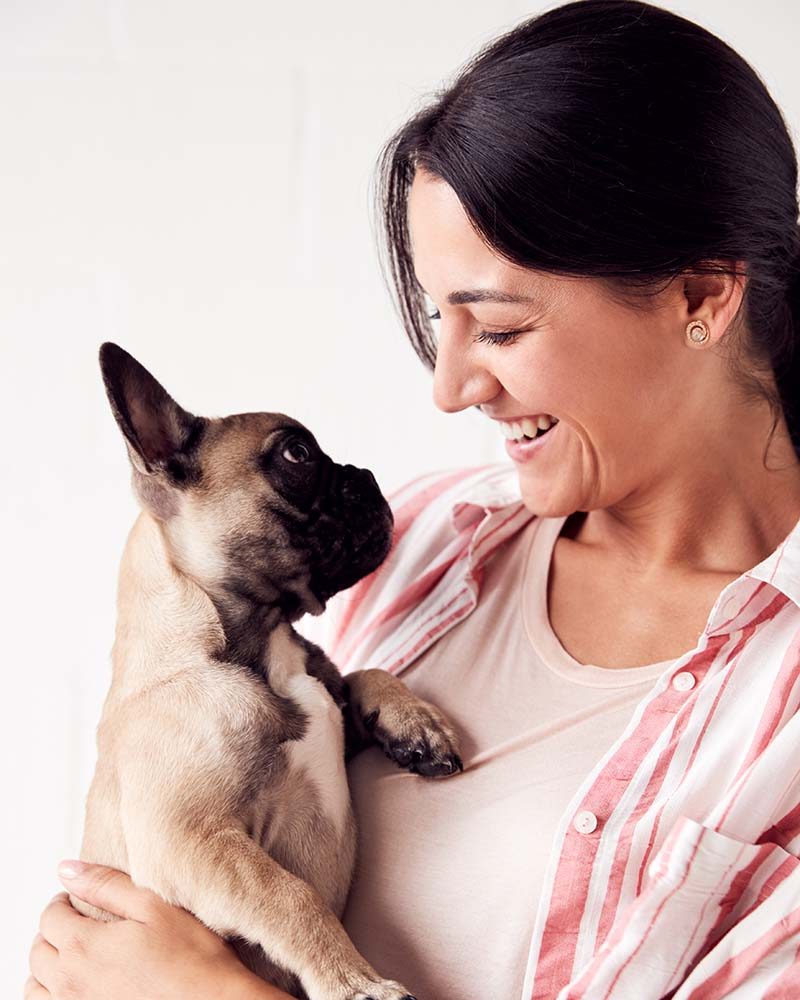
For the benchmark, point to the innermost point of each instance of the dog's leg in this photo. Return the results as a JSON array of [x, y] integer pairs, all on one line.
[[379, 708], [409, 730], [236, 888], [320, 666], [255, 959]]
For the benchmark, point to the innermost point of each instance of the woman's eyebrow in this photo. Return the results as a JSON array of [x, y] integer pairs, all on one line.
[[484, 295], [467, 295]]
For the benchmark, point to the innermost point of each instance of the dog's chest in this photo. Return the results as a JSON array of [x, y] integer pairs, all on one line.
[[319, 755], [316, 761]]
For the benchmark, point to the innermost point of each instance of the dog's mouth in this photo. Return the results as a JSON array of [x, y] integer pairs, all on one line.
[[345, 535], [349, 549]]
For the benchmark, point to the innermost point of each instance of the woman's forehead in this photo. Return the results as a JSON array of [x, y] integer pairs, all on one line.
[[453, 264]]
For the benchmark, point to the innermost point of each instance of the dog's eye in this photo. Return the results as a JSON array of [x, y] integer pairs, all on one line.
[[296, 451]]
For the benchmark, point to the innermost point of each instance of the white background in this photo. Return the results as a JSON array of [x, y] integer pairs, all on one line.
[[192, 179]]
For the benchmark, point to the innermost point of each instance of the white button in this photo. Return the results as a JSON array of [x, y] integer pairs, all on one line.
[[684, 681], [585, 822]]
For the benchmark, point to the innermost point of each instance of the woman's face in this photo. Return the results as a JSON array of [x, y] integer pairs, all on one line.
[[633, 402]]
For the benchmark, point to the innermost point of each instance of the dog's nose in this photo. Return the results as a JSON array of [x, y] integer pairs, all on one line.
[[357, 484]]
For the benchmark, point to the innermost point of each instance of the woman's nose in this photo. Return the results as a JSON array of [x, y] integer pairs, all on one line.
[[458, 380]]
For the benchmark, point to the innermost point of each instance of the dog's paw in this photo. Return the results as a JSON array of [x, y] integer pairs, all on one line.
[[415, 735], [381, 995]]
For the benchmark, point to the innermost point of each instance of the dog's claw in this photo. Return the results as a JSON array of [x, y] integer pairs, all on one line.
[[439, 768], [395, 994], [408, 996], [422, 759]]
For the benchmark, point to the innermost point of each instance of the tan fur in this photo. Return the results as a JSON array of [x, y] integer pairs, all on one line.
[[230, 497], [220, 781], [194, 797]]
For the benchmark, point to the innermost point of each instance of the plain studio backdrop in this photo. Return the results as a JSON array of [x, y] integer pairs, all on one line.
[[192, 179]]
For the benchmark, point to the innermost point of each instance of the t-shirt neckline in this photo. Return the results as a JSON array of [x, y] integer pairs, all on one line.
[[533, 597]]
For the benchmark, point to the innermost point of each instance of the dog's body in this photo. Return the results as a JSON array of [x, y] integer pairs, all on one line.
[[220, 779], [174, 718]]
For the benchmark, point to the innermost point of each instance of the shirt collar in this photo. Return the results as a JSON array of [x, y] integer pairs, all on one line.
[[493, 488], [781, 568]]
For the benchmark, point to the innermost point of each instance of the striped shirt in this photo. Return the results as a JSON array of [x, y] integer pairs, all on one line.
[[674, 870]]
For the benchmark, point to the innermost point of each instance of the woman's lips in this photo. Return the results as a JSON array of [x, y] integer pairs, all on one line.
[[524, 451]]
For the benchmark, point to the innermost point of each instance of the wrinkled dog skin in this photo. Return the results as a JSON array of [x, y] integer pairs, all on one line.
[[220, 780]]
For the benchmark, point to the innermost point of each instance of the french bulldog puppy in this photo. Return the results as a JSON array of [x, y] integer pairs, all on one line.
[[220, 780]]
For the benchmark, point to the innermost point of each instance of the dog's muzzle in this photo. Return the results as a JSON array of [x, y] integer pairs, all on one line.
[[353, 533]]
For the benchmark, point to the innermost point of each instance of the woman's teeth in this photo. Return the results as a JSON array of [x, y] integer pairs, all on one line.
[[527, 427]]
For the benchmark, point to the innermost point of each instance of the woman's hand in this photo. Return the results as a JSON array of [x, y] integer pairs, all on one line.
[[157, 952]]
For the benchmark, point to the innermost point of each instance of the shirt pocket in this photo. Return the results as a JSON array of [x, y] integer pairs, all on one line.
[[699, 887], [706, 881], [740, 904]]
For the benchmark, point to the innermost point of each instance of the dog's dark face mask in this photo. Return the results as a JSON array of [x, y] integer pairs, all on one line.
[[250, 505]]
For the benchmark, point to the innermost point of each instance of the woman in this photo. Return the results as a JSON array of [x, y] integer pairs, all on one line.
[[603, 209]]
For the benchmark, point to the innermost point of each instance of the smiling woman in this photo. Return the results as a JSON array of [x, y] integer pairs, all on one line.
[[599, 215], [588, 238]]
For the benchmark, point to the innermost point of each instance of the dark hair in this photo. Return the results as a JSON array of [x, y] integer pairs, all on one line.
[[614, 139]]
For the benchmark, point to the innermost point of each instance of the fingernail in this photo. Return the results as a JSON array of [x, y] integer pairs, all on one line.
[[71, 869]]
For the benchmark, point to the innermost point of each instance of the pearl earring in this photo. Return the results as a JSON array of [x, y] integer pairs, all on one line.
[[697, 333]]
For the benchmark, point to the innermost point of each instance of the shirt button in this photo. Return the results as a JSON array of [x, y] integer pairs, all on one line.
[[585, 822], [684, 681]]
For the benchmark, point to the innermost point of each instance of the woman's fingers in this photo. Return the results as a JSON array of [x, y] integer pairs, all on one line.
[[43, 962], [109, 889], [60, 923], [34, 990]]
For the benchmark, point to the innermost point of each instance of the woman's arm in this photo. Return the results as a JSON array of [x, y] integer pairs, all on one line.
[[157, 951]]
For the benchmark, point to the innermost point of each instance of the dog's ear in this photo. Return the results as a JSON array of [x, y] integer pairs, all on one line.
[[156, 429]]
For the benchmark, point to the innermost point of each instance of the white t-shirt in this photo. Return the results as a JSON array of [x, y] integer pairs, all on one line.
[[450, 870]]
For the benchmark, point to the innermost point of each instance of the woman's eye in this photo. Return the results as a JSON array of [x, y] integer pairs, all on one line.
[[296, 451], [506, 337], [498, 338]]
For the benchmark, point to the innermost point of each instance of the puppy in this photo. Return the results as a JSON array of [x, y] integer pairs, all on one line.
[[220, 780]]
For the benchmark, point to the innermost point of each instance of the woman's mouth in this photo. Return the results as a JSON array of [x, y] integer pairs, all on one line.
[[527, 428], [524, 439]]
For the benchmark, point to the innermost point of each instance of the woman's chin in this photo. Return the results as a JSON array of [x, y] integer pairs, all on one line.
[[537, 495]]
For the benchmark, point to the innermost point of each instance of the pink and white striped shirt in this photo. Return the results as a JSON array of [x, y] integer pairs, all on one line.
[[675, 869]]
